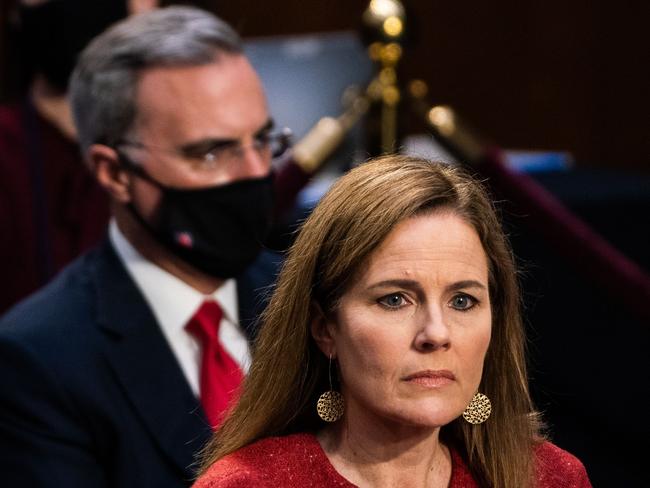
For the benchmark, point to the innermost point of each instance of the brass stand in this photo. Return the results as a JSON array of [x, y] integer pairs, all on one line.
[[384, 26]]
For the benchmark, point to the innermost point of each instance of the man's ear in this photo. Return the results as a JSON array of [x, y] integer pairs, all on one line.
[[105, 165], [321, 330]]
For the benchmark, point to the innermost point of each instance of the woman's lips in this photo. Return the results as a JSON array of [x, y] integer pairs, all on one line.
[[431, 379]]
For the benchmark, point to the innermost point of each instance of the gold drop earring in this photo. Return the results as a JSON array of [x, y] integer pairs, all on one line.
[[478, 410], [330, 405]]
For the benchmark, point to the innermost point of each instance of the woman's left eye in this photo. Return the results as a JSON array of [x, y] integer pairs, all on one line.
[[394, 301], [463, 302]]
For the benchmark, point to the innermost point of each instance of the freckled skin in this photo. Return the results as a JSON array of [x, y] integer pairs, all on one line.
[[435, 325]]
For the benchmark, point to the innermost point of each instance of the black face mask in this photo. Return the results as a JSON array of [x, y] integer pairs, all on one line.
[[53, 34], [219, 230]]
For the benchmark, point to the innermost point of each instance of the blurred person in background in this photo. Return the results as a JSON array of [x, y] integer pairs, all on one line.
[[116, 372], [51, 209]]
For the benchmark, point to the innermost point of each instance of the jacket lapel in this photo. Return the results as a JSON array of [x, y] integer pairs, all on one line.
[[254, 288], [145, 365]]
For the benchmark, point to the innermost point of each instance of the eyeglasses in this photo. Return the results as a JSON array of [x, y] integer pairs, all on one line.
[[216, 154]]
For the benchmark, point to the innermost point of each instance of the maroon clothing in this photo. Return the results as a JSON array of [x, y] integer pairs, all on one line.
[[51, 208], [298, 460]]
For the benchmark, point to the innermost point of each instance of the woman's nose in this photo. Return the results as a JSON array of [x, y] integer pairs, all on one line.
[[433, 333]]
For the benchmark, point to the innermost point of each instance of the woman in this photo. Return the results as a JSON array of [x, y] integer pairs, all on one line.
[[399, 299]]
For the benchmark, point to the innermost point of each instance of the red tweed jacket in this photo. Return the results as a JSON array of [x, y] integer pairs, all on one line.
[[298, 460]]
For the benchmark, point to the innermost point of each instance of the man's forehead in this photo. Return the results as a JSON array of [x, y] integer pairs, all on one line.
[[223, 70], [226, 93]]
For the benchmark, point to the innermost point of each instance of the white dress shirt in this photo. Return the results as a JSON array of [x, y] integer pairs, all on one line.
[[173, 303]]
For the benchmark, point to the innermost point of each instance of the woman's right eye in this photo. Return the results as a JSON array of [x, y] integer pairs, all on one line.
[[393, 301]]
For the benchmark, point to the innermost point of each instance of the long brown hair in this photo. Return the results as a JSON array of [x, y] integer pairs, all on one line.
[[289, 372]]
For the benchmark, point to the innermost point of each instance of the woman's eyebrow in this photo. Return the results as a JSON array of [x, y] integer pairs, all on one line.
[[460, 285], [412, 284]]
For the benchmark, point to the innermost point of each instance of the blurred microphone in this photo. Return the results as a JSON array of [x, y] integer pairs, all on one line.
[[309, 154]]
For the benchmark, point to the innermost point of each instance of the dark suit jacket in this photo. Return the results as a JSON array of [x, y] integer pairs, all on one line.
[[91, 394]]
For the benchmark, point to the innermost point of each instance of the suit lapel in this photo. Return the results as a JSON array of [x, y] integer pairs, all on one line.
[[146, 366], [254, 288]]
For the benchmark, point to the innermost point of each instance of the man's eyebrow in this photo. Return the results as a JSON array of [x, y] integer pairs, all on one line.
[[205, 145], [267, 127]]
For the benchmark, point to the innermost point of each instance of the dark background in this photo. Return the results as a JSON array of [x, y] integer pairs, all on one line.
[[554, 75]]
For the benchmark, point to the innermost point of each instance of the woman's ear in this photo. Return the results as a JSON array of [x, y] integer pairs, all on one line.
[[105, 165], [322, 331]]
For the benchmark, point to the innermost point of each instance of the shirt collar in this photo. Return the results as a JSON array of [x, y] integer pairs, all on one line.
[[172, 301]]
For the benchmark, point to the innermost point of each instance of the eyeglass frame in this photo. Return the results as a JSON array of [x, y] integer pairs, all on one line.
[[234, 147]]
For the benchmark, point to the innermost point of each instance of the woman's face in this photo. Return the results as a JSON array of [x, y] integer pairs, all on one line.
[[411, 333]]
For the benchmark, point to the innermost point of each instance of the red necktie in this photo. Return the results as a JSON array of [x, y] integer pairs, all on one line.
[[220, 374]]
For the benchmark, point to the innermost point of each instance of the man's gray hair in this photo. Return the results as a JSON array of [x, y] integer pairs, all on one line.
[[103, 84]]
